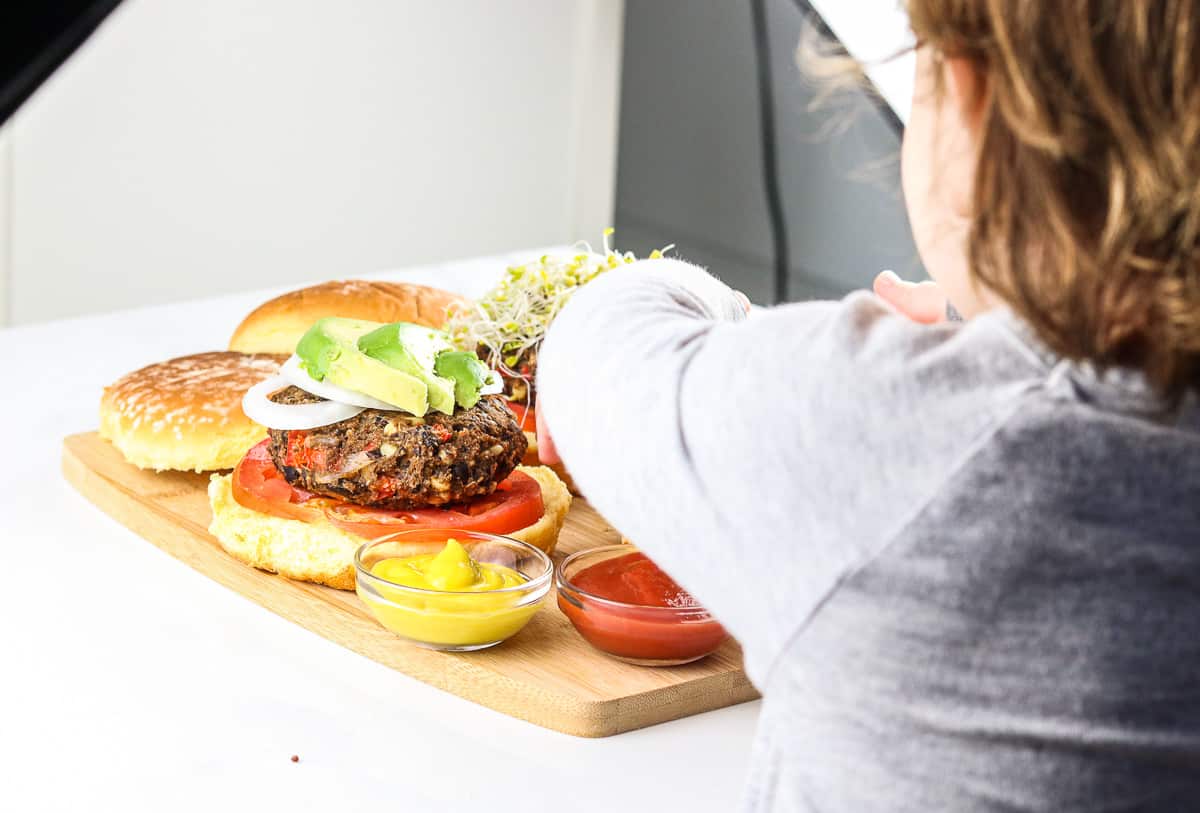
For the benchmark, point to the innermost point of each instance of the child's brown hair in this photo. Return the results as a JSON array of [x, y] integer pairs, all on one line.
[[1087, 190]]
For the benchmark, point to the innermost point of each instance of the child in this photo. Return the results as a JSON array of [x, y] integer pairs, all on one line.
[[963, 559]]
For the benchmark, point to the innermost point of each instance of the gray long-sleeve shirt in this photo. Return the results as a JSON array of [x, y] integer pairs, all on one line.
[[965, 573]]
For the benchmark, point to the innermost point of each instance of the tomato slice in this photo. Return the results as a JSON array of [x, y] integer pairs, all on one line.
[[299, 454], [259, 486], [516, 503], [526, 415]]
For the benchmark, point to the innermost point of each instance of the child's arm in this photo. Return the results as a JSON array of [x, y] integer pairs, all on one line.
[[757, 461]]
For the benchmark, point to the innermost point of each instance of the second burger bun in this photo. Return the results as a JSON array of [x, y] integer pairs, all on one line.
[[186, 413], [277, 325], [323, 553]]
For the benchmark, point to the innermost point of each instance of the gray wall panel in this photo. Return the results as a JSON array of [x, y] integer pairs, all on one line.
[[689, 161]]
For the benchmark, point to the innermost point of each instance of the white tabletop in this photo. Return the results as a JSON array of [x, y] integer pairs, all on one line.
[[129, 681]]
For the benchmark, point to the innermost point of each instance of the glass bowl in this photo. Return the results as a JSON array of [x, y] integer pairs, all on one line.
[[634, 633], [446, 620]]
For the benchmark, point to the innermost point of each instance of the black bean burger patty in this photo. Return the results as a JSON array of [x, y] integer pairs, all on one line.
[[397, 460]]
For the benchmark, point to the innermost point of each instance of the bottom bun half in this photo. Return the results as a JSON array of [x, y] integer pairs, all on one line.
[[322, 553]]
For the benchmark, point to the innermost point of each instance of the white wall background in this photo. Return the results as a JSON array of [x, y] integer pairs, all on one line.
[[194, 148], [5, 220]]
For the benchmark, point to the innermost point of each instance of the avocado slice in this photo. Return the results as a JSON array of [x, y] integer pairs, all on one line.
[[468, 373], [329, 352], [413, 349]]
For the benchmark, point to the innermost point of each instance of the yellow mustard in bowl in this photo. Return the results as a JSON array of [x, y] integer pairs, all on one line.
[[448, 600], [452, 569]]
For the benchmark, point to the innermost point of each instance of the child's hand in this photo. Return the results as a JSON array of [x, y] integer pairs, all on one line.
[[922, 302]]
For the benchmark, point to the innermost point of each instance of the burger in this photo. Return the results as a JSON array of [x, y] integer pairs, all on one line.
[[374, 428], [506, 327], [185, 414]]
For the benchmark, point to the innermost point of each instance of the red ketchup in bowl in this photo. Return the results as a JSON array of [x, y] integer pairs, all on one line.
[[625, 605]]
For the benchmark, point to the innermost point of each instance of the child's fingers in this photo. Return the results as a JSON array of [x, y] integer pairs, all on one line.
[[545, 444], [920, 301]]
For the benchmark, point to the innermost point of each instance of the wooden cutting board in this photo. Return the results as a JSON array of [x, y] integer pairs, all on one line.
[[546, 674]]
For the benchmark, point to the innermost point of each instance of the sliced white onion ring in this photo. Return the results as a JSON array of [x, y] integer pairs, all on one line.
[[261, 409], [297, 376]]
